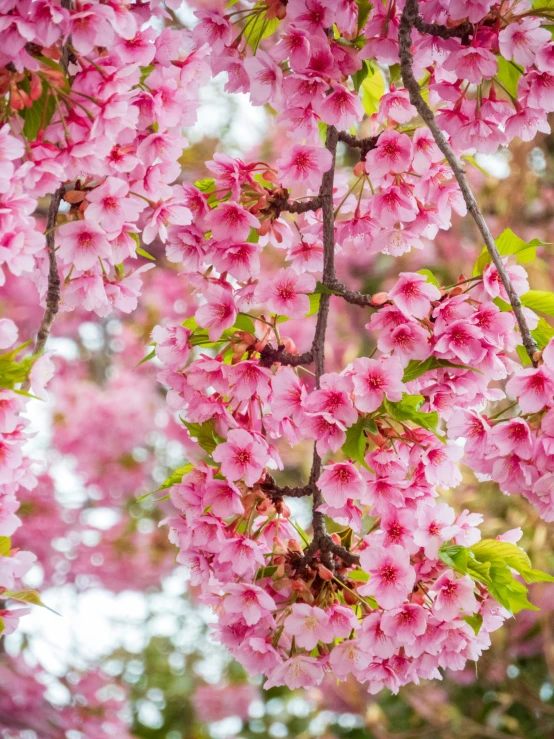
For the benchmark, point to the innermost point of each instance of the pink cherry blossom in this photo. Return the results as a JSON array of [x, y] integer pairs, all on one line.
[[391, 575], [374, 380], [287, 293], [241, 456], [304, 166], [83, 243], [249, 601], [413, 294], [218, 313], [309, 625], [454, 596], [533, 388], [339, 482], [231, 221]]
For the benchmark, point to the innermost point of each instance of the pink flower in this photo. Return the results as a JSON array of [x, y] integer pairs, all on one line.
[[493, 283], [82, 243], [533, 388], [435, 526], [341, 108], [339, 482], [241, 456], [519, 41], [299, 671], [472, 63], [288, 394], [287, 293], [224, 498], [244, 556], [250, 602], [426, 151], [405, 624], [473, 10], [348, 657], [513, 436], [413, 294], [248, 380], [231, 221], [461, 342], [110, 207], [333, 397], [454, 596], [8, 333], [266, 78], [391, 575], [172, 344], [309, 625], [218, 313], [393, 204], [303, 166], [375, 379], [373, 639], [408, 341], [328, 432], [393, 153]]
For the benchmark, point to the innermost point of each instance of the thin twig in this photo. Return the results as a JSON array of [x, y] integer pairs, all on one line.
[[53, 293], [408, 21], [365, 145]]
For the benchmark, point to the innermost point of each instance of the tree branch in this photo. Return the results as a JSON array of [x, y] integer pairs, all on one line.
[[408, 21], [351, 296], [435, 29], [365, 145], [53, 293]]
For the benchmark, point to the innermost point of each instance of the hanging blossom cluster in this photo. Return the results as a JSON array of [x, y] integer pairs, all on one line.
[[94, 100], [405, 586]]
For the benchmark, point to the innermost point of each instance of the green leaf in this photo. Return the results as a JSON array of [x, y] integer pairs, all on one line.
[[364, 8], [509, 74], [205, 185], [143, 253], [430, 276], [474, 163], [416, 367], [5, 546], [268, 571], [356, 441], [543, 333], [360, 75], [315, 299], [13, 372], [407, 409], [39, 115], [174, 479], [492, 550], [539, 300], [373, 89], [258, 26], [508, 243], [27, 596], [475, 621], [204, 433], [147, 358], [322, 289], [244, 323], [358, 576], [455, 556], [146, 72]]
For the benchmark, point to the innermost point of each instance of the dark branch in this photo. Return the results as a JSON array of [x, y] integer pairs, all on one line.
[[409, 20], [269, 356], [277, 492], [365, 145], [351, 296], [435, 29], [279, 202], [53, 293]]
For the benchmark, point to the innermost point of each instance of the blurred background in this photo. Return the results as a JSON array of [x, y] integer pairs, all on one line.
[[126, 650]]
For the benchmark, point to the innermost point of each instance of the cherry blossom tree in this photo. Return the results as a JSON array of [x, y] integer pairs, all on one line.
[[392, 584]]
